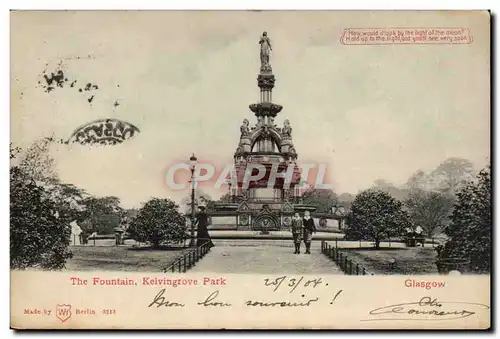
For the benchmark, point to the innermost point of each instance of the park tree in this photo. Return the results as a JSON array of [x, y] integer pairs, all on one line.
[[346, 199], [128, 215], [102, 214], [417, 181], [470, 229], [322, 199], [37, 162], [429, 210], [376, 215], [388, 187], [68, 198], [14, 151], [210, 204], [39, 234], [200, 199], [158, 221], [451, 175]]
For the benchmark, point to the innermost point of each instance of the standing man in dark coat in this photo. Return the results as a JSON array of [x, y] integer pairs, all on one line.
[[202, 236], [309, 229], [297, 232]]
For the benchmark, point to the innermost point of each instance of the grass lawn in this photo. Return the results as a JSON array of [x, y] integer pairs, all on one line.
[[123, 258], [410, 260]]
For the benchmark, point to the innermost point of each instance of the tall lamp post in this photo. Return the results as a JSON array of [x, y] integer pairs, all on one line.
[[192, 165]]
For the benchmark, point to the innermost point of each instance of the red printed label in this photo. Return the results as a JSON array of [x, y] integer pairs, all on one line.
[[407, 36]]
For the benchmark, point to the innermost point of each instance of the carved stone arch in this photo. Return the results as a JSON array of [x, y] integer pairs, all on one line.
[[266, 221], [273, 133]]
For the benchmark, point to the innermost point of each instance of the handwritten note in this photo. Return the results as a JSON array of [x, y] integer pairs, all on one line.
[[290, 284]]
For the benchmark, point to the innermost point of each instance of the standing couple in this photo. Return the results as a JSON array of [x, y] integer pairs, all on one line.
[[303, 228]]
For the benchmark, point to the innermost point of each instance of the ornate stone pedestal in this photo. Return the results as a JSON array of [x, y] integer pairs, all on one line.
[[262, 205]]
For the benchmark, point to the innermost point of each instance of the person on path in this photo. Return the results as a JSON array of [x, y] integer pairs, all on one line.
[[202, 236], [297, 231], [309, 229]]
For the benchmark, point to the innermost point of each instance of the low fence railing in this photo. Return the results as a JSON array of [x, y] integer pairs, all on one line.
[[188, 259], [347, 265]]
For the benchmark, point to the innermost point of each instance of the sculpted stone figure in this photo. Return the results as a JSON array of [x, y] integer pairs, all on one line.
[[265, 50], [287, 129], [244, 129]]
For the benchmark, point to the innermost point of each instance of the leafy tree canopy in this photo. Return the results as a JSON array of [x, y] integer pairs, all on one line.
[[470, 230], [200, 198], [429, 210], [157, 222], [102, 214], [322, 199], [39, 237], [376, 215]]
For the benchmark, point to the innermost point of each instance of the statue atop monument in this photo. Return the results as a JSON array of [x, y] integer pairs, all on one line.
[[244, 129], [265, 51], [287, 129]]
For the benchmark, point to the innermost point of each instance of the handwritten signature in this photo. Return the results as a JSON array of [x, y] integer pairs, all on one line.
[[427, 308]]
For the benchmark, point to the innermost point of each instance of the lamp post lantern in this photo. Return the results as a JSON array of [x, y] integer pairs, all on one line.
[[192, 165]]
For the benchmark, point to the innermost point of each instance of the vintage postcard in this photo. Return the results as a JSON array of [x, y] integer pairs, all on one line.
[[250, 170]]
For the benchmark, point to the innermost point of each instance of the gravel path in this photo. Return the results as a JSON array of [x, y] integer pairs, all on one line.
[[263, 257]]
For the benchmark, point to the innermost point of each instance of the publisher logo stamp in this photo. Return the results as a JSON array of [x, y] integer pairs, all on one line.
[[63, 312]]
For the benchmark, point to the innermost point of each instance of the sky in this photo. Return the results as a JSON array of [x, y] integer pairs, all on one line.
[[185, 79]]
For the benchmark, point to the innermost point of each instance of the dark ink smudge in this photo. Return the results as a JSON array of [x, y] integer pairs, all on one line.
[[104, 132], [58, 79]]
